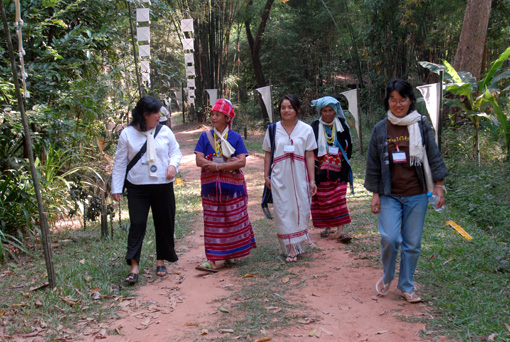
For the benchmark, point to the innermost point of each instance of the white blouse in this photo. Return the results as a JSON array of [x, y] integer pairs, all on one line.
[[130, 142]]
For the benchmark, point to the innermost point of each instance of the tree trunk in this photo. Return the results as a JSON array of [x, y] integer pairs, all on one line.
[[255, 46], [469, 55]]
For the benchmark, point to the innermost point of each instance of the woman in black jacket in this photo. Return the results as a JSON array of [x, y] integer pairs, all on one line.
[[403, 164], [332, 169]]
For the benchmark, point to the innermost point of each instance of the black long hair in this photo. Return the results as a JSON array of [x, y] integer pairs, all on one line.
[[294, 102], [404, 88], [145, 106]]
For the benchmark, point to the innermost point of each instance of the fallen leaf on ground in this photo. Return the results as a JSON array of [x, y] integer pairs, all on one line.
[[251, 274], [382, 332], [2, 312], [82, 261], [312, 333], [35, 288], [507, 326], [96, 295], [326, 331], [226, 331], [223, 309], [32, 334], [264, 339], [492, 337], [204, 332], [383, 313], [315, 295], [285, 280], [305, 320], [191, 324], [69, 301]]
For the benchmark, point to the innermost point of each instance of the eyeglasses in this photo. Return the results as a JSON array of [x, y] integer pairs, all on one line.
[[401, 102]]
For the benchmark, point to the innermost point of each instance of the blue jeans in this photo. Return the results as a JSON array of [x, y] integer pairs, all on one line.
[[401, 222]]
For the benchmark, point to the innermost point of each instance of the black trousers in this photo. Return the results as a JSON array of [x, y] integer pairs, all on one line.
[[161, 199]]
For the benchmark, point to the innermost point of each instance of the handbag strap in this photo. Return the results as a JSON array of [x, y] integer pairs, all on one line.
[[272, 134], [351, 176], [210, 138], [137, 157]]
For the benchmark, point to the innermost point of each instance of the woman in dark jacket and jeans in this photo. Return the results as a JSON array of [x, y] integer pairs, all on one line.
[[401, 148]]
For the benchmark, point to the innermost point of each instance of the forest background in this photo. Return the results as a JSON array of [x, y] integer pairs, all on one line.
[[82, 80]]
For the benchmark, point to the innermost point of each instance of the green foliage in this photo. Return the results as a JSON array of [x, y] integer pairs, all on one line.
[[80, 274], [475, 98]]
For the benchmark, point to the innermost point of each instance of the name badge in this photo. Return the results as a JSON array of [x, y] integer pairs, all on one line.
[[333, 150], [399, 157], [289, 149], [218, 160]]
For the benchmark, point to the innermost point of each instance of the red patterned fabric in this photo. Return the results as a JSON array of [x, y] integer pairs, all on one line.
[[225, 107], [228, 233], [329, 206]]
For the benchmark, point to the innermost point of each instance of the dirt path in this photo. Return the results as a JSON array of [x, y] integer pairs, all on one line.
[[339, 289]]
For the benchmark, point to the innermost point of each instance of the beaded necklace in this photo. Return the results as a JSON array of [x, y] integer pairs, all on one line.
[[217, 146], [330, 134]]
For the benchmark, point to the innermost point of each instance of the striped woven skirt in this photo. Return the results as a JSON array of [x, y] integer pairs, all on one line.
[[329, 205], [227, 229]]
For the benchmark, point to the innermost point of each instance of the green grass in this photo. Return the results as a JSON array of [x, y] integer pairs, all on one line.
[[260, 302], [84, 264], [466, 282]]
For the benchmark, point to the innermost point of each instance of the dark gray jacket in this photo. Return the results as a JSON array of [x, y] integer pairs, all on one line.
[[377, 174]]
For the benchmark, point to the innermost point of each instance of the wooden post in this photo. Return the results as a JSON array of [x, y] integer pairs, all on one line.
[[45, 240]]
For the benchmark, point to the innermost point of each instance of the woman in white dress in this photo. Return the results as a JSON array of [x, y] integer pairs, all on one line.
[[291, 177]]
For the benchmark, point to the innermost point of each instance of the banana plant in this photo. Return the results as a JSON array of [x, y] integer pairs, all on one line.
[[477, 99]]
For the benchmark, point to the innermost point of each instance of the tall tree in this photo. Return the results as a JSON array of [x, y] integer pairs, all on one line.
[[470, 51], [255, 46]]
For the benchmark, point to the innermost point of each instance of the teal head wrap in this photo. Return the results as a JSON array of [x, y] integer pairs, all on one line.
[[329, 101]]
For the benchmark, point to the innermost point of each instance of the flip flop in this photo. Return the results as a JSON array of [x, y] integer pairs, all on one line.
[[161, 269], [291, 258], [206, 267], [325, 233], [229, 263], [132, 278], [344, 238]]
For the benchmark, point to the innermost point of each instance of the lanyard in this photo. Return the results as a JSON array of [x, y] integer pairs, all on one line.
[[217, 146]]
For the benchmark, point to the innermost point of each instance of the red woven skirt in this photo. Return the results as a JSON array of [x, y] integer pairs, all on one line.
[[227, 229], [329, 206]]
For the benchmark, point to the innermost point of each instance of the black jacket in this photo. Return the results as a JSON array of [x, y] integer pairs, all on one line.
[[377, 174], [344, 138]]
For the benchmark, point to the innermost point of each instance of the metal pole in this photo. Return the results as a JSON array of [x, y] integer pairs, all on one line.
[[45, 241]]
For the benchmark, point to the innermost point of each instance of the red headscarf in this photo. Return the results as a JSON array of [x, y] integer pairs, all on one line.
[[225, 106]]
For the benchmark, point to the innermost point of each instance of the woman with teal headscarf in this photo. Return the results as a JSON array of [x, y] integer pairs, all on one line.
[[332, 168]]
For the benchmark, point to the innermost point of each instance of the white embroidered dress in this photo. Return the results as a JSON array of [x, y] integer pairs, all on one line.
[[290, 186]]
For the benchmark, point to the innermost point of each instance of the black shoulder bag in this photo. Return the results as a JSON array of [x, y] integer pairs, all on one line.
[[267, 196], [137, 157]]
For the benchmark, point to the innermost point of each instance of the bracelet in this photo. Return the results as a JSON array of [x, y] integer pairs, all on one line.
[[312, 182], [216, 166], [268, 177], [441, 186]]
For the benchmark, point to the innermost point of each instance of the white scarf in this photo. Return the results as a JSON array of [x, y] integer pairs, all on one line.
[[226, 148], [416, 150], [321, 141], [150, 155]]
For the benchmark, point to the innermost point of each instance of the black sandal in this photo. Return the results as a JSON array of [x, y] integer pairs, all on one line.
[[325, 233], [161, 269], [132, 278], [344, 238]]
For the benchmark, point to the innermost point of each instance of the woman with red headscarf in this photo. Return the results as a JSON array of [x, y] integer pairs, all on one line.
[[221, 154]]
